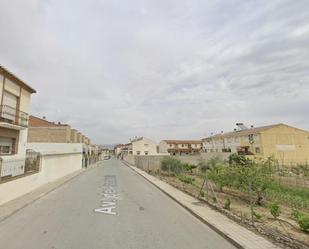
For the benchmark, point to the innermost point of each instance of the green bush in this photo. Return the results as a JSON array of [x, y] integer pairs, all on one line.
[[275, 210], [240, 160], [186, 179], [227, 204], [171, 164], [257, 216], [189, 167], [214, 199], [302, 220]]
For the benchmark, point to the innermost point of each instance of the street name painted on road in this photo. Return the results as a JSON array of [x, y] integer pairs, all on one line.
[[109, 196]]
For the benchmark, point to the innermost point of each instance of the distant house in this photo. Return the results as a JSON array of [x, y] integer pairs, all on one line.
[[118, 149], [141, 146], [15, 97], [289, 145], [180, 147]]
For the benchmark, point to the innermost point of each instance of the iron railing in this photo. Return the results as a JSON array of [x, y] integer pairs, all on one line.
[[13, 116]]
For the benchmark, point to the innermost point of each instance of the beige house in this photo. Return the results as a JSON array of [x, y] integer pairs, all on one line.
[[141, 146], [74, 136], [15, 97], [180, 147], [287, 144]]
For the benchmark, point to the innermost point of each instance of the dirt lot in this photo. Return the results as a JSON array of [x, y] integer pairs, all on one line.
[[284, 229]]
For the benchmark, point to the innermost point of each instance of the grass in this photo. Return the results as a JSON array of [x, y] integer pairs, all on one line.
[[293, 196]]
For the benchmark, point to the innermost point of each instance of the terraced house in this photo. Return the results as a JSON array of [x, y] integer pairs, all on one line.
[[15, 97], [287, 144], [179, 147]]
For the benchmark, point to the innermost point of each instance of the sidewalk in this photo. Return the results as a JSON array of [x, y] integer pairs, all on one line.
[[12, 207], [238, 235]]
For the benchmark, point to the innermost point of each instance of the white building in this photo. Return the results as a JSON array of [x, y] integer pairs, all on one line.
[[15, 98], [142, 146]]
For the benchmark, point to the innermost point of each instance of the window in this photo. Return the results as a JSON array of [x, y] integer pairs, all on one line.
[[257, 150], [250, 138], [146, 153], [6, 146], [182, 145], [146, 145], [138, 152]]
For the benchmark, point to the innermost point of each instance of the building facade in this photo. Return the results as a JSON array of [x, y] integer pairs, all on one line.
[[15, 96], [140, 146], [43, 131], [181, 147], [288, 145]]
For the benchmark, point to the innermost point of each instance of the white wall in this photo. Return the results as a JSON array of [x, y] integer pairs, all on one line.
[[163, 146], [58, 160]]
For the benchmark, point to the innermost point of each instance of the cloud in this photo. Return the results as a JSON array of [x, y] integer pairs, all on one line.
[[158, 68]]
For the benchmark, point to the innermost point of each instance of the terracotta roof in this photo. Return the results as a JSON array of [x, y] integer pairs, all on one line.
[[39, 122], [17, 80], [183, 141], [247, 132]]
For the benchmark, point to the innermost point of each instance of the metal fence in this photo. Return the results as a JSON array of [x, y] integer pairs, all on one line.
[[12, 167]]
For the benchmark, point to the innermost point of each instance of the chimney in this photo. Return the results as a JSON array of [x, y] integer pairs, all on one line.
[[241, 126]]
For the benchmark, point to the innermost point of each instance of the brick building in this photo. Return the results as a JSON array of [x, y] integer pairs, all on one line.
[[43, 131]]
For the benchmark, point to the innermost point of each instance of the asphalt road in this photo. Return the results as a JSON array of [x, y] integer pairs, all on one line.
[[130, 214]]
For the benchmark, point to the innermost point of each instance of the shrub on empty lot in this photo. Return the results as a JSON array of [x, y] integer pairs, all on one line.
[[186, 179], [275, 210], [189, 167], [302, 220], [227, 204], [171, 164]]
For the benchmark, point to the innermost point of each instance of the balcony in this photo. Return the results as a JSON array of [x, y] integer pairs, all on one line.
[[13, 116]]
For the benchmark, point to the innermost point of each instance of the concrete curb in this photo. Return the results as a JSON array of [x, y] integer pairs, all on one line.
[[213, 227], [31, 200]]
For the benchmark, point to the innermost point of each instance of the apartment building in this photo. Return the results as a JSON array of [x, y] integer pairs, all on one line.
[[15, 96], [287, 144], [141, 146], [180, 147]]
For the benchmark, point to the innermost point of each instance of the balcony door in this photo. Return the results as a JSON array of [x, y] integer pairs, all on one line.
[[9, 106]]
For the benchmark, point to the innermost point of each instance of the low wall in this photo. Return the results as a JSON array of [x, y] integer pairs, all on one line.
[[63, 161], [153, 163], [130, 159]]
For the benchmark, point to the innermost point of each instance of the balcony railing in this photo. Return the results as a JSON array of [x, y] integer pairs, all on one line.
[[13, 116]]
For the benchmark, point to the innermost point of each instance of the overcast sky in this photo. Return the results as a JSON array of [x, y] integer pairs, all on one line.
[[164, 69]]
